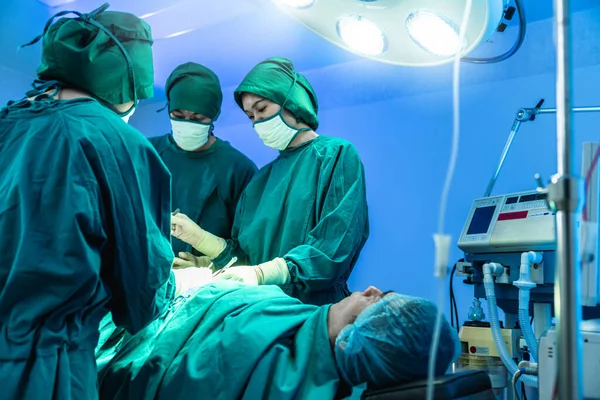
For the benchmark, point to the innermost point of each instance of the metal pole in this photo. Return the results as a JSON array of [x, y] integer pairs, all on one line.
[[563, 194], [575, 109], [524, 115], [507, 146], [563, 88]]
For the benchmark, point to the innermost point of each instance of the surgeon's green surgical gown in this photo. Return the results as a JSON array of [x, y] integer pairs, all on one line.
[[308, 206], [84, 229], [229, 341], [206, 185]]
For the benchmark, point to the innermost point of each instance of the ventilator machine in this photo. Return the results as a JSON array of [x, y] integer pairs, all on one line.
[[509, 244]]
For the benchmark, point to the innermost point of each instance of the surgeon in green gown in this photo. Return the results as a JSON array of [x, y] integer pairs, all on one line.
[[208, 174], [302, 221], [84, 207]]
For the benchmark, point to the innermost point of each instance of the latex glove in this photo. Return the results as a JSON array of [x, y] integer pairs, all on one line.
[[244, 274], [274, 272], [186, 260], [188, 279], [183, 228]]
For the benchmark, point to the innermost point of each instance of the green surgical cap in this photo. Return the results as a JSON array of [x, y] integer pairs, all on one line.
[[195, 88], [78, 53], [272, 79]]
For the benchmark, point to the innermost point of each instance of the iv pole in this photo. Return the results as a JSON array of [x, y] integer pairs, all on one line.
[[564, 196]]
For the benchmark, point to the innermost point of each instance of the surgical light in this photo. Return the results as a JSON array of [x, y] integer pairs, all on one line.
[[361, 35], [55, 3], [433, 32], [401, 32], [296, 3]]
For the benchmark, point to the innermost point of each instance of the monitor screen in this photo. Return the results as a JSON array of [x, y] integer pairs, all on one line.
[[480, 223]]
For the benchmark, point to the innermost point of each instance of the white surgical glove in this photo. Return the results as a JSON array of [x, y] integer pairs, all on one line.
[[183, 228], [188, 279], [243, 274], [274, 272], [186, 260]]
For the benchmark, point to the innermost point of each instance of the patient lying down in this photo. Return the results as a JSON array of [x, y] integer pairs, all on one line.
[[227, 340]]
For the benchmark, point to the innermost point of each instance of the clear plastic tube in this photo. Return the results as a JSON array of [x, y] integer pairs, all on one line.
[[440, 236]]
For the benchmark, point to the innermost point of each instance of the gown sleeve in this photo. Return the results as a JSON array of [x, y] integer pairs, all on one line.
[[132, 187], [342, 228], [233, 248]]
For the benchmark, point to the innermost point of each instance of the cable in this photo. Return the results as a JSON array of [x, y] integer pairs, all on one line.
[[515, 379], [452, 298], [588, 179], [523, 391], [516, 46], [453, 304]]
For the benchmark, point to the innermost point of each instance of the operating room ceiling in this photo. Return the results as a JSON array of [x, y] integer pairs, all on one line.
[[230, 36]]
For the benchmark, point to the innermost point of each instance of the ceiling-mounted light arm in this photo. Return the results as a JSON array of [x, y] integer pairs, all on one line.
[[522, 30]]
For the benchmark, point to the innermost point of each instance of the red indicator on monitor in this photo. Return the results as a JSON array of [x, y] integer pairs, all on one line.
[[512, 215]]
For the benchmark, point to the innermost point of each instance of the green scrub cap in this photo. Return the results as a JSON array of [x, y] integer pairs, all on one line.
[[273, 79], [193, 87], [106, 53]]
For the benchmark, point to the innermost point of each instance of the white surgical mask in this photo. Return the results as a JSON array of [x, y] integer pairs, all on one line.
[[189, 135], [275, 132], [127, 115]]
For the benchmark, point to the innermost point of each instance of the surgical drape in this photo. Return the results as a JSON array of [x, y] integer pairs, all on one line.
[[228, 341]]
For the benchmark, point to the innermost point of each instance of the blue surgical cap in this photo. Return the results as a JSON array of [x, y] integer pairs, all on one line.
[[390, 340]]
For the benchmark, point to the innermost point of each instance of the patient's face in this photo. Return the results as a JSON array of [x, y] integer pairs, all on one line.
[[346, 311]]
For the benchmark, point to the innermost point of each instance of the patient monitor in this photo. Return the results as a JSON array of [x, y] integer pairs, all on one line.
[[509, 223]]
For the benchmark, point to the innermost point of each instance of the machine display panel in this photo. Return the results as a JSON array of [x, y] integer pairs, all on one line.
[[480, 223]]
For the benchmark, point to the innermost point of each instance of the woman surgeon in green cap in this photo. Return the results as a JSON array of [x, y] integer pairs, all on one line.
[[302, 222], [85, 207], [208, 174]]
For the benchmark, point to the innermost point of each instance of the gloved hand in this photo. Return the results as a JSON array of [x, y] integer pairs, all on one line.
[[186, 260], [274, 272], [183, 228], [243, 274], [188, 279]]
